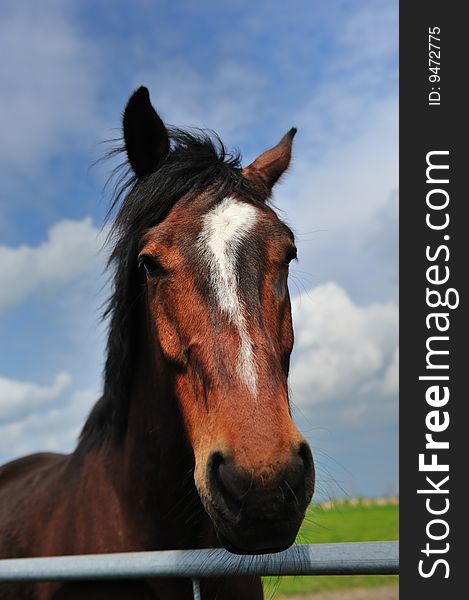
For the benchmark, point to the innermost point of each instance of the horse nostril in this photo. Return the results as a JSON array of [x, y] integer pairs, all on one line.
[[230, 482], [304, 451], [297, 474], [215, 460]]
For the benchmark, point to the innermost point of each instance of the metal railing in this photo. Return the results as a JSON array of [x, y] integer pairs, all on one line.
[[357, 558]]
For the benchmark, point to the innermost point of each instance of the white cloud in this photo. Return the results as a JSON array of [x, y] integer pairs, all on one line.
[[19, 397], [53, 429], [49, 84], [71, 249], [341, 189], [345, 354], [339, 202], [229, 108], [371, 32]]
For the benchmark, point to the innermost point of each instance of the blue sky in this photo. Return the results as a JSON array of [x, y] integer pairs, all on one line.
[[250, 71]]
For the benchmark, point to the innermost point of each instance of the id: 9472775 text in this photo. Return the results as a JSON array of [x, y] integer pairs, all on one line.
[[434, 96]]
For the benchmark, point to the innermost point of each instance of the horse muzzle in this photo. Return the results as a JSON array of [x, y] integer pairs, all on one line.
[[258, 511]]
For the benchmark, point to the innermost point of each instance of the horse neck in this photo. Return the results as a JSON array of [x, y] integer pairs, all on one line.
[[156, 469], [155, 445]]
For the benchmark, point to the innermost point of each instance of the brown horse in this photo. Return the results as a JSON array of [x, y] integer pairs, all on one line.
[[192, 443]]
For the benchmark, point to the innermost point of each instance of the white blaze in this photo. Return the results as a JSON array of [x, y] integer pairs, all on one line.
[[224, 228]]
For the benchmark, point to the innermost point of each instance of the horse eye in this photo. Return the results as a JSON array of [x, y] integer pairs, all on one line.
[[151, 266], [291, 254]]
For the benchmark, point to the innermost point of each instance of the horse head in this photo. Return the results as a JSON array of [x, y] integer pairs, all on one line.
[[215, 271]]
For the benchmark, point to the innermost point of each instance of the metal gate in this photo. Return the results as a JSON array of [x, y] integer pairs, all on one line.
[[356, 558]]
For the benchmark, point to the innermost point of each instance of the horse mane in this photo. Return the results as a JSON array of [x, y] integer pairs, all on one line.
[[197, 161]]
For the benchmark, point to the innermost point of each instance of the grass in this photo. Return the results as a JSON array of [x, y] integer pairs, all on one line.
[[343, 523]]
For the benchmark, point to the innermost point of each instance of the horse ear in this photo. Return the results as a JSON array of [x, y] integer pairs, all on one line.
[[270, 165], [145, 135]]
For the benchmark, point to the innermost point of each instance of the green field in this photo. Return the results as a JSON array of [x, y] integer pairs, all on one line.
[[343, 523]]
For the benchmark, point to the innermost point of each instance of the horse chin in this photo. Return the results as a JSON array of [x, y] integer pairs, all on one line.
[[256, 548], [248, 535], [256, 537]]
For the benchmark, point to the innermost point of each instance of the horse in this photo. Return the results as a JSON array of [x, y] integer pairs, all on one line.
[[192, 443]]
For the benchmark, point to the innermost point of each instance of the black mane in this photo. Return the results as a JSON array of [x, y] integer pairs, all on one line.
[[196, 161]]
